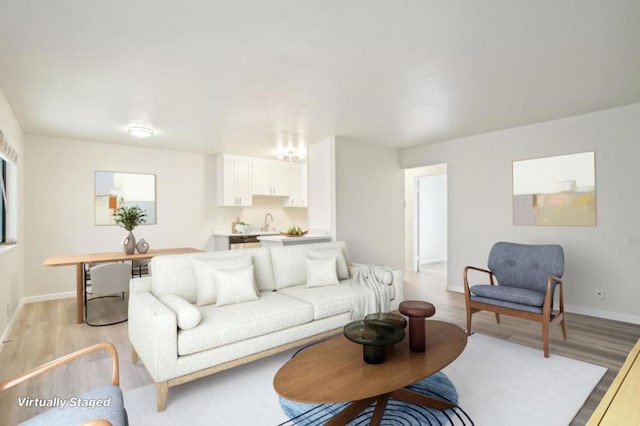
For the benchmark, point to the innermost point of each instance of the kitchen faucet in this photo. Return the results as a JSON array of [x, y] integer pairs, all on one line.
[[266, 221]]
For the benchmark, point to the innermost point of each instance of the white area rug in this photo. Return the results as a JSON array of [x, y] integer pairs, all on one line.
[[501, 383], [498, 383]]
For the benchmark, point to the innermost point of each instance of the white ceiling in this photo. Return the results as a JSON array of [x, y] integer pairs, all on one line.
[[242, 76]]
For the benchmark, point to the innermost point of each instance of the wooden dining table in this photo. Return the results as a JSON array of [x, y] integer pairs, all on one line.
[[81, 259]]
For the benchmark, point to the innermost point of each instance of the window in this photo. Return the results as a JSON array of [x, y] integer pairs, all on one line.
[[8, 193], [3, 202]]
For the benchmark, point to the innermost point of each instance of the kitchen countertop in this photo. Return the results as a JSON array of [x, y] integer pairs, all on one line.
[[281, 237], [249, 234]]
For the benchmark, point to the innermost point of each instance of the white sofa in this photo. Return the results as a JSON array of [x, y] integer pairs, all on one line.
[[184, 324]]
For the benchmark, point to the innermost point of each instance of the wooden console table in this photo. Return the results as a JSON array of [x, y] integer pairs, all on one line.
[[619, 406], [81, 259]]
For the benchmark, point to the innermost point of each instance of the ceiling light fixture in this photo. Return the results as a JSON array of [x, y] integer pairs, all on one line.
[[140, 132], [291, 155]]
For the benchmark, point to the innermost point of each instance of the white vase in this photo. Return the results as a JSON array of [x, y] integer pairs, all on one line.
[[129, 243], [142, 246]]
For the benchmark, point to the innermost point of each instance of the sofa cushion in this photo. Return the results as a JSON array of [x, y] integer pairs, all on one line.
[[326, 301], [232, 323], [261, 259], [187, 315], [526, 265], [508, 294], [235, 286], [206, 288], [175, 274], [341, 262], [289, 268], [512, 305], [321, 272]]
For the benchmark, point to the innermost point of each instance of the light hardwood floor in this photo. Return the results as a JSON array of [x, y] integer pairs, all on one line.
[[47, 330]]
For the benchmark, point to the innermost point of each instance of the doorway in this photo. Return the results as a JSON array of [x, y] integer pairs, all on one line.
[[431, 220], [426, 217]]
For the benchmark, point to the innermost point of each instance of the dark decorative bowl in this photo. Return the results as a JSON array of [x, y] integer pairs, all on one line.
[[395, 319], [373, 336]]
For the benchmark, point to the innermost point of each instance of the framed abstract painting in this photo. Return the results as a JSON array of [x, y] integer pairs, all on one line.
[[115, 189], [555, 191]]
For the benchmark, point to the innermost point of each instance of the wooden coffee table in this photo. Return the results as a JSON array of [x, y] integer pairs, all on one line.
[[333, 371]]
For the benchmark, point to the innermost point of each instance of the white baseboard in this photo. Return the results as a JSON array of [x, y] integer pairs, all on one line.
[[52, 296], [12, 322], [33, 299], [616, 316], [598, 313], [432, 260]]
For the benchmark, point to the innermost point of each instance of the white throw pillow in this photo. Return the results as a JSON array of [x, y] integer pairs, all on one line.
[[188, 316], [206, 288], [235, 286], [321, 272], [341, 262]]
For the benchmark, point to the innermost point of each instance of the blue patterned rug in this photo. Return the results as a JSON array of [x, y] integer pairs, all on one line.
[[397, 412]]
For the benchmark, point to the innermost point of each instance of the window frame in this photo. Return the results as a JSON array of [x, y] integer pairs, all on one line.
[[3, 206]]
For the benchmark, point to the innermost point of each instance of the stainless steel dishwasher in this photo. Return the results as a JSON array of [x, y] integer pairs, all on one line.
[[237, 242]]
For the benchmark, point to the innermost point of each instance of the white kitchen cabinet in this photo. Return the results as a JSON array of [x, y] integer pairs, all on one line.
[[234, 180], [298, 186], [270, 177]]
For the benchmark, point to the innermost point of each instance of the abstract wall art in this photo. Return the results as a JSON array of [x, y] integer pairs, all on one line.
[[555, 191], [114, 189]]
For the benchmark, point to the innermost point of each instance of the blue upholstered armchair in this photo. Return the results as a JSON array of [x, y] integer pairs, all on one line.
[[527, 276]]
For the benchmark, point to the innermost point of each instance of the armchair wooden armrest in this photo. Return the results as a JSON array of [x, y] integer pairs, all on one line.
[[45, 368], [548, 301], [474, 268]]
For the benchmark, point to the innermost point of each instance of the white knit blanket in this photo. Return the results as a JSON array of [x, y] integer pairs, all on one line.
[[374, 282]]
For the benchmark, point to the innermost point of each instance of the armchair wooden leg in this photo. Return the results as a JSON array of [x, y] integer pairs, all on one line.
[[134, 356], [162, 389], [497, 318], [468, 321], [545, 338], [563, 326]]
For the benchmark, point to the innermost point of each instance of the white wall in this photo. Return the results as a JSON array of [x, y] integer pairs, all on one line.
[[12, 260], [480, 204], [322, 186], [370, 202], [59, 183]]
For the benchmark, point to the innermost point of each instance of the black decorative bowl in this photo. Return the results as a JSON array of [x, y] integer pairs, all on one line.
[[373, 336], [395, 319]]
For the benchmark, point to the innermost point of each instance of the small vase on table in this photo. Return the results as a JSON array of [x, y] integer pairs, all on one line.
[[142, 246], [129, 243]]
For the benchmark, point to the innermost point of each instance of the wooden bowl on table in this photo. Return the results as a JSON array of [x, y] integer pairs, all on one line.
[[293, 235]]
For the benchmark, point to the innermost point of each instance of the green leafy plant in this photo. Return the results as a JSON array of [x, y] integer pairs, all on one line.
[[129, 217]]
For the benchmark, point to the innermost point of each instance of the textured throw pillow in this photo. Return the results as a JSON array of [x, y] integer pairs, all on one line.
[[341, 262], [206, 288], [188, 316], [321, 272], [235, 286]]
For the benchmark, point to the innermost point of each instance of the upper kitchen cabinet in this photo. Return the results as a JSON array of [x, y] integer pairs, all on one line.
[[234, 180], [298, 184], [270, 177]]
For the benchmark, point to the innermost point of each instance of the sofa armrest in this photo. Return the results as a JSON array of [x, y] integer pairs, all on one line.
[[397, 281], [140, 284], [153, 332]]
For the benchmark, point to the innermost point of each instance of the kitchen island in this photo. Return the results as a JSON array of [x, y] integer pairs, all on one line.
[[284, 240]]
